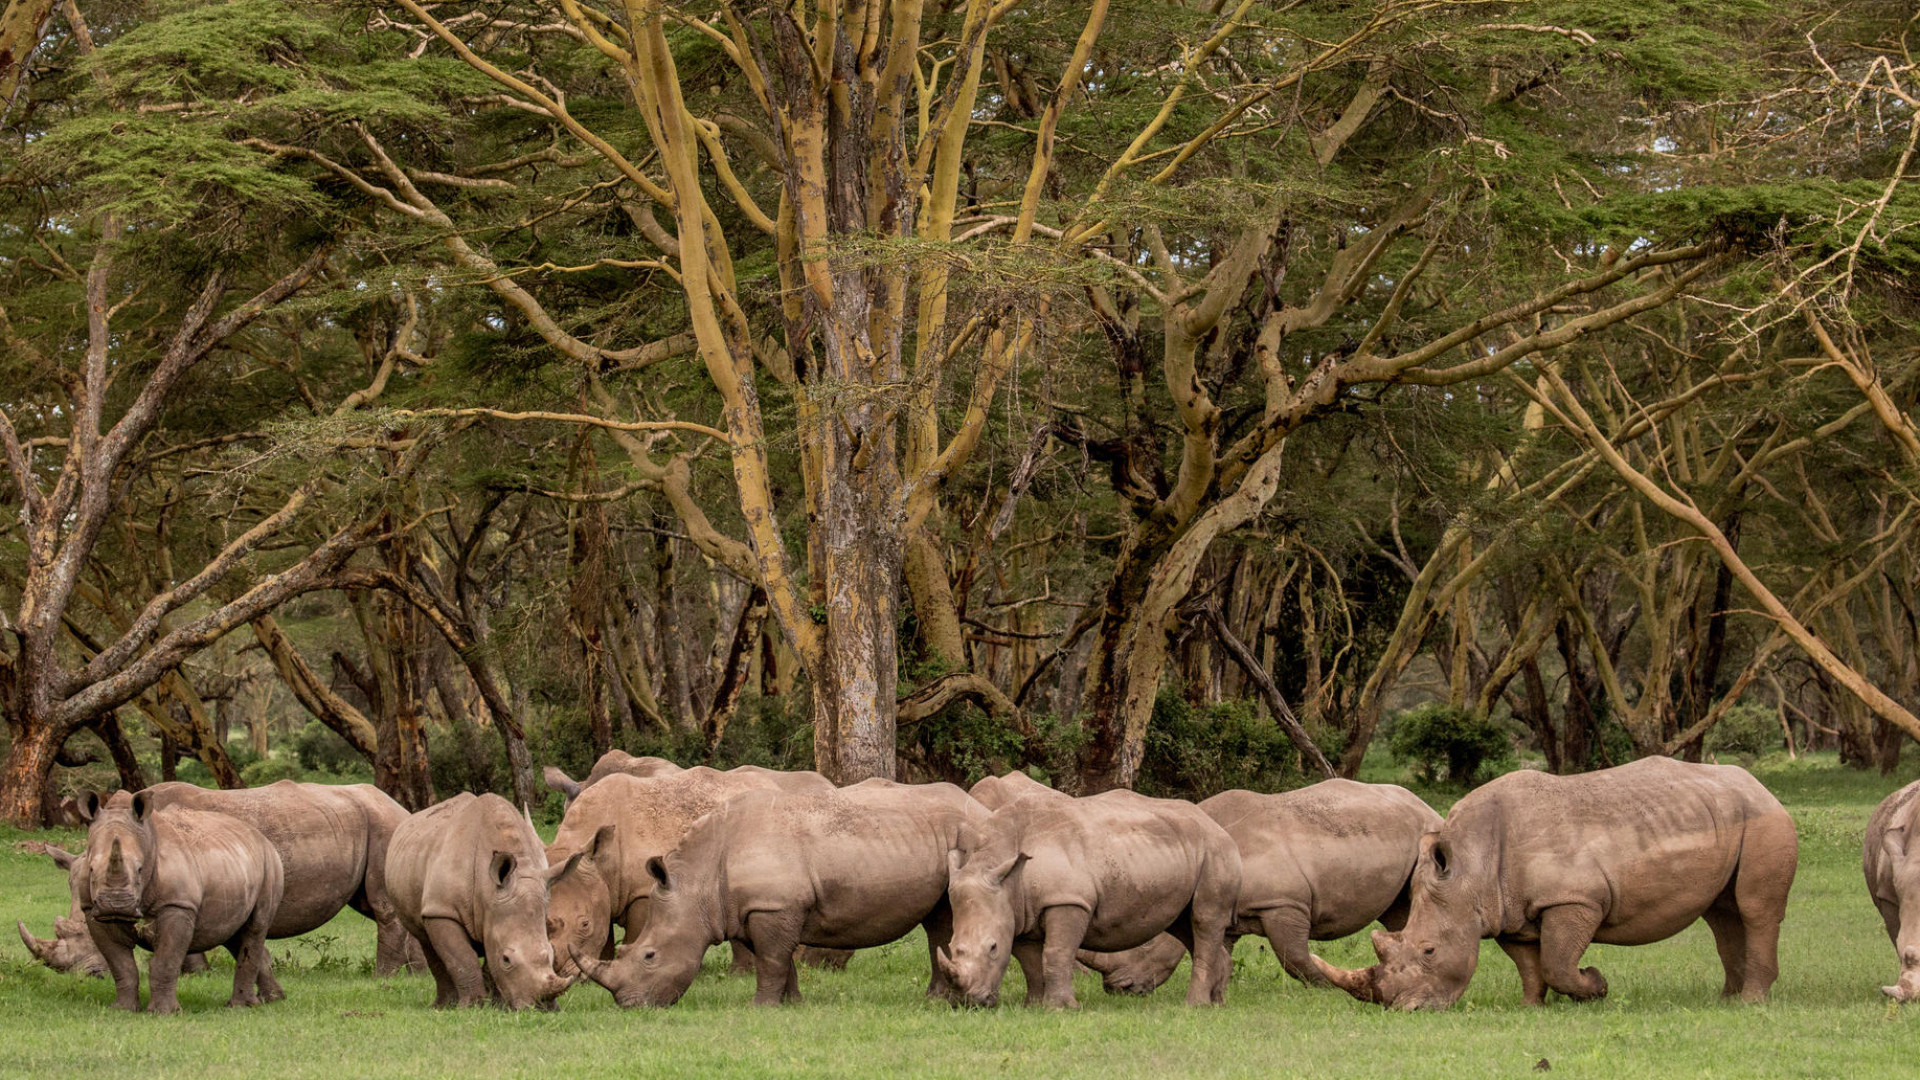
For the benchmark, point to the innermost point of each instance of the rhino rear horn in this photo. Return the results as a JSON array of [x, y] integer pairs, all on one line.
[[1363, 984], [562, 783]]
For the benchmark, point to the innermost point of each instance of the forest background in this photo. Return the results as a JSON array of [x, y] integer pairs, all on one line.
[[1157, 395]]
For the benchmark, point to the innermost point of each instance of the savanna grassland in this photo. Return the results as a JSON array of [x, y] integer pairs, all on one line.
[[1662, 1018]]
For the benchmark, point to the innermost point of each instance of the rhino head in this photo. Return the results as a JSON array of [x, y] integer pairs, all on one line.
[[984, 922], [1428, 964], [519, 957], [657, 969], [71, 948], [580, 903], [1906, 883], [120, 856]]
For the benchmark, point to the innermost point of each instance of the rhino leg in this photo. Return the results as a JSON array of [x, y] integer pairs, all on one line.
[[1208, 925], [458, 975], [939, 927], [116, 948], [775, 936], [1730, 937], [194, 964], [253, 981], [1031, 956], [1565, 932], [1288, 930], [743, 961], [1064, 928], [1526, 956], [172, 934], [1769, 854]]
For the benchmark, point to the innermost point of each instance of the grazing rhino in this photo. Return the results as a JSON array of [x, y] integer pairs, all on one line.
[[1547, 865], [1044, 877], [846, 869], [469, 881], [196, 879], [616, 825], [1891, 861], [1316, 864], [71, 948], [994, 792]]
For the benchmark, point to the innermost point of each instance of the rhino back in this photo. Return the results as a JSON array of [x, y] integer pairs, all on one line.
[[1339, 850], [1117, 848], [866, 863], [320, 832], [1648, 842]]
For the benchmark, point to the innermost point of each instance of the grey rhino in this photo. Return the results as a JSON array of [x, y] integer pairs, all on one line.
[[616, 826], [1546, 865], [1891, 861], [1317, 864], [198, 879], [71, 948], [994, 792], [846, 869], [1043, 877], [469, 880]]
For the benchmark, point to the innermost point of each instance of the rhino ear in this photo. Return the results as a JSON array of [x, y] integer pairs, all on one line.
[[61, 857], [87, 804], [142, 806], [601, 837], [657, 870], [998, 875], [572, 864], [501, 870], [1895, 843]]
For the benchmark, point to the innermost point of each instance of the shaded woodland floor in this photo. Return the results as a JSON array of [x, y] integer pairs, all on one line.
[[1663, 1017]]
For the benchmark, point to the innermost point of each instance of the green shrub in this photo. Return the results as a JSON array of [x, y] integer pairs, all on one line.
[[267, 770], [1195, 751], [1749, 729], [321, 749], [1437, 738]]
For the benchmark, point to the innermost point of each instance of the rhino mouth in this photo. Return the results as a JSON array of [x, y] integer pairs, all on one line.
[[116, 907]]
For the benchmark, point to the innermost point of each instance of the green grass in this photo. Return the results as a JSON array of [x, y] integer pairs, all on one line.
[[1663, 1017]]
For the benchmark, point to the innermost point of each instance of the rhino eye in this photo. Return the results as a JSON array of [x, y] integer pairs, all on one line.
[[648, 955], [1428, 951]]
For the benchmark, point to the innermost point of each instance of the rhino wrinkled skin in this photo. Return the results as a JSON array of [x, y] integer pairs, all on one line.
[[1547, 865], [179, 881], [994, 792], [1891, 860], [617, 825], [847, 869], [1044, 877], [468, 878], [1316, 864], [621, 763]]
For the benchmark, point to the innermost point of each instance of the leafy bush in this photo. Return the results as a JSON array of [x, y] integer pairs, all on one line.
[[1749, 729], [1196, 751], [267, 770], [321, 749], [1437, 737]]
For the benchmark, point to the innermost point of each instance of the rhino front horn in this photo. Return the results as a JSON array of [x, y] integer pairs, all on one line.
[[1362, 984], [940, 957], [41, 950], [592, 966]]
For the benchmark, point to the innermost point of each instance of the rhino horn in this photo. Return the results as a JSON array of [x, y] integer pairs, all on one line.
[[941, 958], [1362, 984], [593, 967], [41, 950]]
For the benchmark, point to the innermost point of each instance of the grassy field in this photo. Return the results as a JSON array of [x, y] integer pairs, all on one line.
[[1663, 1017]]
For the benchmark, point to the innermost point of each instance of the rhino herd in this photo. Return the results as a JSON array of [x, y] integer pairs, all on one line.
[[654, 864]]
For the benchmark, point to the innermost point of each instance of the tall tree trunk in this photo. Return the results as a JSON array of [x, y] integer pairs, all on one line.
[[29, 765]]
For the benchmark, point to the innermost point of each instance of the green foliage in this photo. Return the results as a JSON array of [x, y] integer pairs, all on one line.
[[320, 749], [1442, 742], [1748, 730], [1195, 751], [272, 768]]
